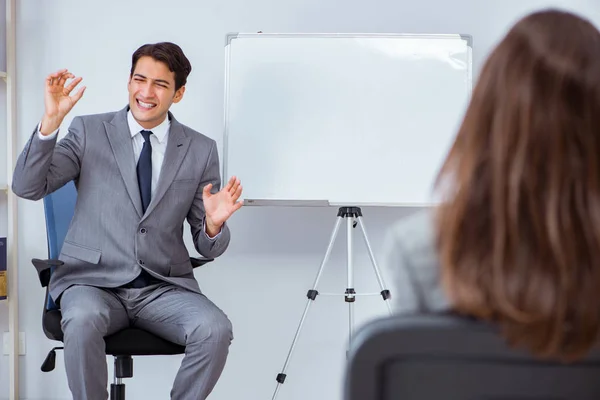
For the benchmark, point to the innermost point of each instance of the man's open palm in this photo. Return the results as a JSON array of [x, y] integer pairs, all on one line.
[[221, 205]]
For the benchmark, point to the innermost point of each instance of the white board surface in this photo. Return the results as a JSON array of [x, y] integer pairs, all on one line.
[[342, 119]]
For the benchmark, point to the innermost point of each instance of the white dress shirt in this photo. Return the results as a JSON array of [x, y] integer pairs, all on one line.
[[158, 140]]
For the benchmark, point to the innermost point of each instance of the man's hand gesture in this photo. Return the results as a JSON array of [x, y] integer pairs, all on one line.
[[58, 100], [221, 205]]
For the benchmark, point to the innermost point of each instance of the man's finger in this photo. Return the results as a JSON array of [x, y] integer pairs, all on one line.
[[206, 189], [233, 187], [238, 205], [230, 183], [53, 78], [228, 186], [63, 78], [78, 95], [72, 85], [238, 192], [57, 74]]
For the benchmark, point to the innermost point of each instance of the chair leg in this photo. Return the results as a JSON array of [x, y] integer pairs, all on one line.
[[123, 369], [117, 391]]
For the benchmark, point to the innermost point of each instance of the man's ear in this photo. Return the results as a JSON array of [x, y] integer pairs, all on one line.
[[179, 94]]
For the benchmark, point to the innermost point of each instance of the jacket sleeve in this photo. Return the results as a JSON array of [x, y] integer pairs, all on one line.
[[208, 247], [45, 165]]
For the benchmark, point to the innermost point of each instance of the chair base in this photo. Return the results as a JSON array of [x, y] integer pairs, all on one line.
[[123, 369]]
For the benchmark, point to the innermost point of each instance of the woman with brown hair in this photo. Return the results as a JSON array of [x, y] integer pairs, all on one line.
[[516, 237]]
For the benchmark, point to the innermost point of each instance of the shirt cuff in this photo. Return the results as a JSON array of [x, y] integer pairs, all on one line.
[[206, 233], [46, 137]]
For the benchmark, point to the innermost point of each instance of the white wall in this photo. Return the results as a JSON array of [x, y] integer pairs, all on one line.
[[274, 254]]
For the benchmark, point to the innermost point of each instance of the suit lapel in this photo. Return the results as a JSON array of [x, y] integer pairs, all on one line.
[[177, 146], [120, 142]]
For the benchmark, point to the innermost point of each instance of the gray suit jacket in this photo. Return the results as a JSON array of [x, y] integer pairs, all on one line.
[[411, 267], [110, 240]]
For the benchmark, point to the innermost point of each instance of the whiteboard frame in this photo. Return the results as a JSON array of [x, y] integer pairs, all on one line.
[[325, 203]]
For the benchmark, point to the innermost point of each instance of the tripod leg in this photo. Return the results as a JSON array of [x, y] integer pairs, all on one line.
[[350, 292], [385, 293], [312, 295]]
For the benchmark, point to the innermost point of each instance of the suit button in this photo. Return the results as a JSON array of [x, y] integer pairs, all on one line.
[[141, 262], [143, 230]]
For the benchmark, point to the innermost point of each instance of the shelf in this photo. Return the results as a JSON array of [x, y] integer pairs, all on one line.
[[3, 75], [3, 188]]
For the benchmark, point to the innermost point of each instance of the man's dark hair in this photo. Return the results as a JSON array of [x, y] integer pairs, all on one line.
[[168, 53]]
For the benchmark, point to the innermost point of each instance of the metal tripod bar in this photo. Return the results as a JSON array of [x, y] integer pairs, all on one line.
[[374, 262], [350, 272], [312, 294], [354, 217]]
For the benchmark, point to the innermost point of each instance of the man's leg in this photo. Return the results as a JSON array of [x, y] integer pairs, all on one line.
[[190, 319], [89, 314]]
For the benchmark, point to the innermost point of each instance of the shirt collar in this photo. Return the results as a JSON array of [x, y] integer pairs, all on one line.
[[159, 131]]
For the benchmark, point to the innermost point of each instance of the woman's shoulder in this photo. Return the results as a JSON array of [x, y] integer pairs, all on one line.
[[411, 262], [414, 233]]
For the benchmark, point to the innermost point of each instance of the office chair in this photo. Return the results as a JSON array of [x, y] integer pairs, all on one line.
[[434, 357], [59, 208]]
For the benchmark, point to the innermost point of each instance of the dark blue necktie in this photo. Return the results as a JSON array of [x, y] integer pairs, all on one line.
[[144, 174], [144, 171]]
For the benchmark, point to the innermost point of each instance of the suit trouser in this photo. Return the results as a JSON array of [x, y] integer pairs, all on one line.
[[176, 314]]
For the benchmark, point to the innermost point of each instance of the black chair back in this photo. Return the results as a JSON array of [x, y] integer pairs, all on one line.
[[434, 357]]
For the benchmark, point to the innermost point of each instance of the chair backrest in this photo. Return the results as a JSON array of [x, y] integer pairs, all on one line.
[[59, 208], [448, 357]]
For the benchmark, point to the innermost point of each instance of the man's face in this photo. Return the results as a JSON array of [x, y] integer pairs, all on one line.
[[152, 91]]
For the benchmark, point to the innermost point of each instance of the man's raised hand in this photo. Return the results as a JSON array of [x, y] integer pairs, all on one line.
[[221, 205], [58, 100]]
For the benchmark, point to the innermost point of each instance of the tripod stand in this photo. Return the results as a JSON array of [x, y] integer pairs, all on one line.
[[353, 217]]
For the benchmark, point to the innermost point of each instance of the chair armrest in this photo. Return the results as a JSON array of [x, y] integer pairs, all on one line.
[[200, 261], [44, 269]]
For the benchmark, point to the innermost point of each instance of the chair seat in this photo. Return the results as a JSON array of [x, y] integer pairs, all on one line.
[[129, 341]]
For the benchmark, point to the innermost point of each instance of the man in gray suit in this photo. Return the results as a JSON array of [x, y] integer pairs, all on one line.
[[139, 174]]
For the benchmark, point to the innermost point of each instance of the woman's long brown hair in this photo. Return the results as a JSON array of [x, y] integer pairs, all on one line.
[[519, 224]]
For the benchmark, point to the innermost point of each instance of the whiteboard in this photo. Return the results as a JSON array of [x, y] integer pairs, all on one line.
[[342, 119]]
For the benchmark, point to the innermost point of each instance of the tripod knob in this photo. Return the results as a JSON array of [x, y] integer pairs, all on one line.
[[350, 298]]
